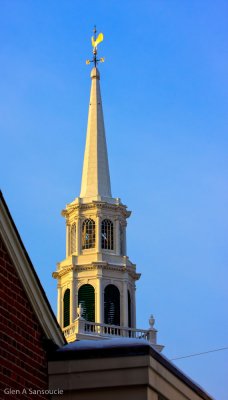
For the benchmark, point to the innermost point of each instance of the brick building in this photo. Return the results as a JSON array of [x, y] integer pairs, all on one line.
[[28, 327]]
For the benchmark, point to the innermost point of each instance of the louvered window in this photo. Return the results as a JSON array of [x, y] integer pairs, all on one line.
[[73, 238], [129, 309], [86, 297], [112, 305], [107, 234], [88, 234], [66, 308]]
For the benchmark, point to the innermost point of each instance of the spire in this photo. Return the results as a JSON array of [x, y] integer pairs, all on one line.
[[95, 175]]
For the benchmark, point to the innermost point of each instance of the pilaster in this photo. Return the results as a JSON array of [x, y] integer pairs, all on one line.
[[78, 236], [59, 305], [117, 237], [99, 299], [125, 239], [125, 303], [133, 308], [73, 305], [98, 233], [76, 299], [67, 239]]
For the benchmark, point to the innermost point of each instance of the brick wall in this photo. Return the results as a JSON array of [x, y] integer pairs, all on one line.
[[23, 359]]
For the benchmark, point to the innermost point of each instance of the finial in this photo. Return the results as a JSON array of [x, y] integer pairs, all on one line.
[[95, 31], [95, 41], [80, 311], [151, 321]]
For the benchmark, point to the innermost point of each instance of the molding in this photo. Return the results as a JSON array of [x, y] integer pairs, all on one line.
[[94, 206], [86, 281], [97, 266], [28, 276], [62, 272]]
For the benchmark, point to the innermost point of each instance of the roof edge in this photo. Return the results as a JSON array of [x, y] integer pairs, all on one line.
[[122, 348], [28, 275]]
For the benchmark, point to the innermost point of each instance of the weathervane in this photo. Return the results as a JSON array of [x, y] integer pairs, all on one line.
[[95, 41]]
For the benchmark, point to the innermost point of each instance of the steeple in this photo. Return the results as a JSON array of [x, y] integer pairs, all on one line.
[[97, 280], [95, 183]]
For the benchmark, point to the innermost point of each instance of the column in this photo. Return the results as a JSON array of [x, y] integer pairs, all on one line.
[[78, 236], [59, 307], [72, 300], [99, 299], [125, 239], [133, 308], [67, 239], [76, 301], [98, 234], [125, 304], [117, 237]]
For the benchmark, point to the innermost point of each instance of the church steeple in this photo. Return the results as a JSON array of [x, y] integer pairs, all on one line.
[[95, 183], [96, 275], [96, 281]]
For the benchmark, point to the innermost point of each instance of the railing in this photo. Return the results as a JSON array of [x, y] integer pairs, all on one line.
[[114, 330], [70, 330], [97, 329]]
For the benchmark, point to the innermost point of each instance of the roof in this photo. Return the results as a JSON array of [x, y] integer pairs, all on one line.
[[124, 347], [28, 275]]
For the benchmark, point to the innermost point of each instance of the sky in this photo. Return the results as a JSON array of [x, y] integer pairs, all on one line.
[[165, 95]]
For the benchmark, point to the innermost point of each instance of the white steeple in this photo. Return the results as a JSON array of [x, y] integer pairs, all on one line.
[[95, 176], [97, 278]]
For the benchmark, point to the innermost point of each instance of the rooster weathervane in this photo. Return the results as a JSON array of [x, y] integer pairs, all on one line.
[[95, 41]]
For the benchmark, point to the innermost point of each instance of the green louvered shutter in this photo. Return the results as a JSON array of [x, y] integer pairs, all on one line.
[[86, 297], [66, 308], [112, 305]]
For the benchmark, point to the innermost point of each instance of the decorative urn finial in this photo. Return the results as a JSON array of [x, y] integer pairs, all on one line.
[[151, 321]]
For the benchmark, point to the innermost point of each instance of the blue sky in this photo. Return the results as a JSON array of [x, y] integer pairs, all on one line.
[[164, 88]]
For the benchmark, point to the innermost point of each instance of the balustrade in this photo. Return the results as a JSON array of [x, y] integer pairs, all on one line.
[[97, 329]]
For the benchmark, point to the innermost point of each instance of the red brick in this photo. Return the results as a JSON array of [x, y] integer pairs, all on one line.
[[23, 358]]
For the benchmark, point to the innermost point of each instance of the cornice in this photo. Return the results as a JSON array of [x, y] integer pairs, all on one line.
[[95, 206], [97, 266], [63, 271]]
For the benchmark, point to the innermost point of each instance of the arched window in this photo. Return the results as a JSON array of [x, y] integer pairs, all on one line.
[[88, 234], [66, 308], [129, 309], [112, 305], [107, 234], [86, 297], [73, 238]]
